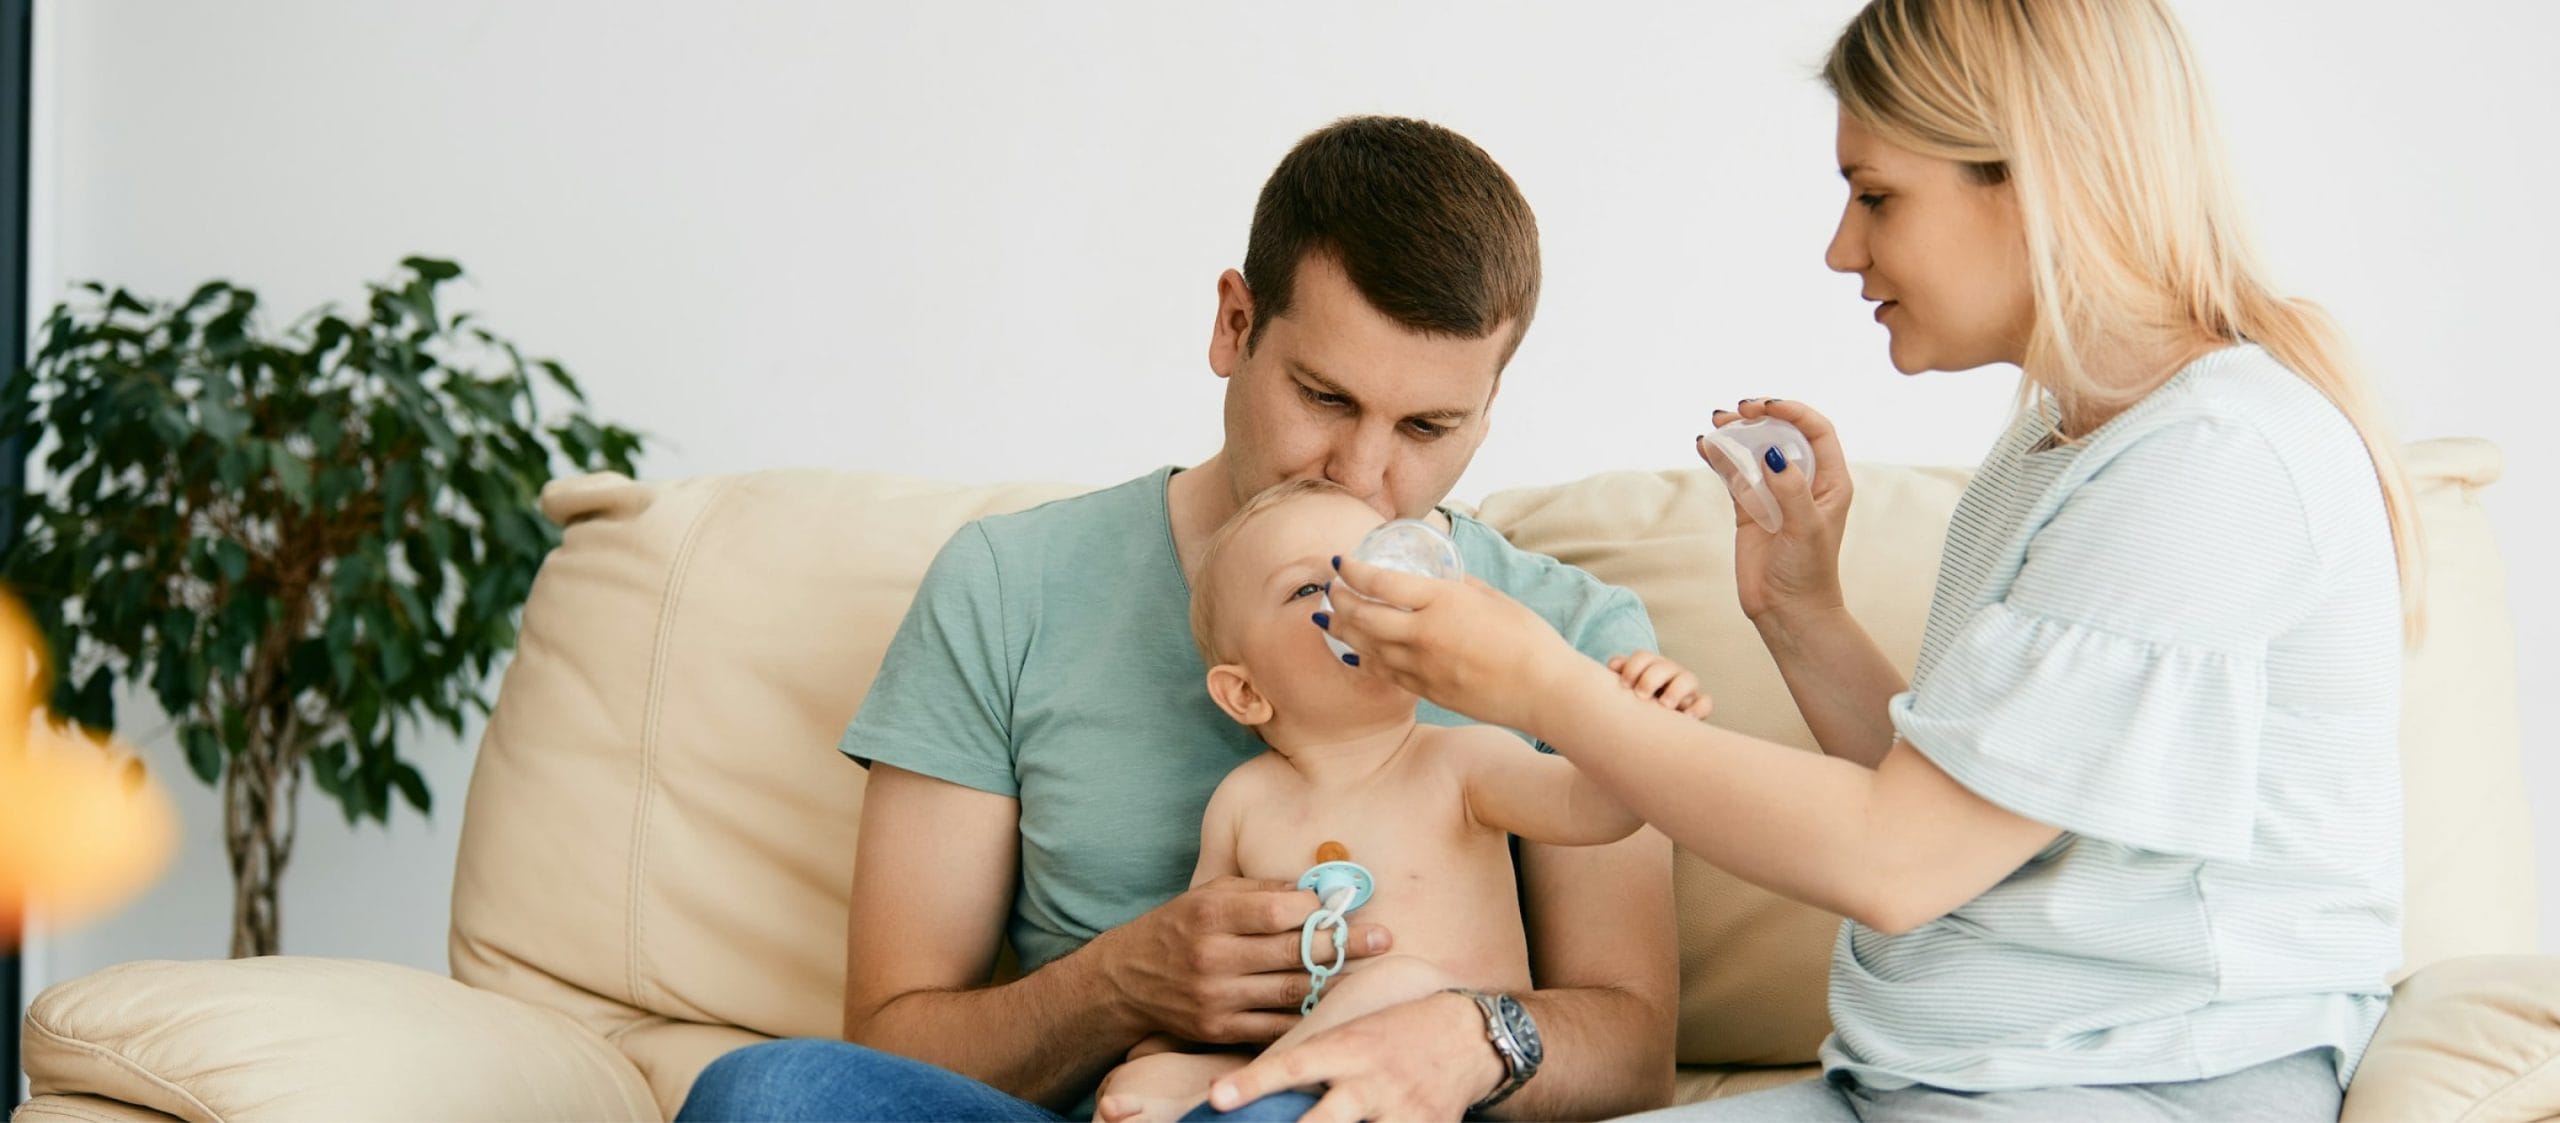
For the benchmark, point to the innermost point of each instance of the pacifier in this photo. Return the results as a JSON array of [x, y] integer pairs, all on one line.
[[1406, 546], [1738, 453]]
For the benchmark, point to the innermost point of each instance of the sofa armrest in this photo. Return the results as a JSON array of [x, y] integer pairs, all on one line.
[[296, 1038], [2474, 1039]]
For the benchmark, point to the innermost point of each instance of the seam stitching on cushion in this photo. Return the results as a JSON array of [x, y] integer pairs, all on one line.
[[644, 799], [122, 1061], [2480, 1106]]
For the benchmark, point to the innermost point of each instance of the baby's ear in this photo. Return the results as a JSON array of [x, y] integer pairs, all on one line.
[[1231, 687]]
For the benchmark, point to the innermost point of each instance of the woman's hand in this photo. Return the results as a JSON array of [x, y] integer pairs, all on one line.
[[1794, 573], [1463, 645], [1424, 1059]]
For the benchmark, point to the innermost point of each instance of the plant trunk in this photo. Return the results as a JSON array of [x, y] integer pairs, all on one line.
[[258, 791]]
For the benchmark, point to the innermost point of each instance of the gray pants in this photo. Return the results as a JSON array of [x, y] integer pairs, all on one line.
[[2302, 1086]]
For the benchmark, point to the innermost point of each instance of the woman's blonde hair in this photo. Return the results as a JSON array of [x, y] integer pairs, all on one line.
[[2094, 113]]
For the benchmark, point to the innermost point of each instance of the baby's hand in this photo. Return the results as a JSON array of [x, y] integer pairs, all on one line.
[[1667, 683]]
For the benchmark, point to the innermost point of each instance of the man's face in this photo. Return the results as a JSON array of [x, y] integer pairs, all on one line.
[[1335, 390]]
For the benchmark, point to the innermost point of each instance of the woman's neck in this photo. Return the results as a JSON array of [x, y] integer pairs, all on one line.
[[2125, 372]]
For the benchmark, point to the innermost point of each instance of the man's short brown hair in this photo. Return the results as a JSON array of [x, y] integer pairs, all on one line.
[[1431, 231]]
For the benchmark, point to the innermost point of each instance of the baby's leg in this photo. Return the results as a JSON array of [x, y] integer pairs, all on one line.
[[1160, 1087], [1374, 985]]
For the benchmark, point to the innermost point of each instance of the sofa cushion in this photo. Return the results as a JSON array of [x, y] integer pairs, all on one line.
[[1755, 967], [660, 828], [659, 825], [289, 1038], [2474, 1039]]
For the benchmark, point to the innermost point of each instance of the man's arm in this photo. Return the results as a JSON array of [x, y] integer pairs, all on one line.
[[1604, 948], [932, 884]]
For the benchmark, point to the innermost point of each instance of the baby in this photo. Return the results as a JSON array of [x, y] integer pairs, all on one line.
[[1424, 808]]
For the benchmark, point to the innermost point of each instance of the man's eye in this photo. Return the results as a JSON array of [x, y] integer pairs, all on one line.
[[1329, 401], [1307, 590], [1426, 430]]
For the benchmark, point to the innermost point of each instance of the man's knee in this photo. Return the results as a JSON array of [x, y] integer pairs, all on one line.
[[798, 1079]]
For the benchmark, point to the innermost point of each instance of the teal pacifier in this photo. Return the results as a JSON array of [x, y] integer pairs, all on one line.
[[1340, 886]]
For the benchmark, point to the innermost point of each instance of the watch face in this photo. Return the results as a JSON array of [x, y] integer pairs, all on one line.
[[1523, 1030]]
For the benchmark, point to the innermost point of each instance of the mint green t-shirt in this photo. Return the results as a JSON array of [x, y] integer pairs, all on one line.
[[1048, 657]]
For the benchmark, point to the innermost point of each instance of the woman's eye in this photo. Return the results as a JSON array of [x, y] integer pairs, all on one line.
[[1307, 590], [1871, 201]]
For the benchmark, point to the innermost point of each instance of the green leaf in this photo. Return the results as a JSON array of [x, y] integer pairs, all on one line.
[[413, 787], [233, 558], [221, 421], [433, 269], [204, 752], [292, 474]]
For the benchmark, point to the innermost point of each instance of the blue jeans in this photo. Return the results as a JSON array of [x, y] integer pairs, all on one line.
[[808, 1079]]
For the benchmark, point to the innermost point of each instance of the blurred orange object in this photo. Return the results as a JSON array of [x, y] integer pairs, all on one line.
[[82, 829]]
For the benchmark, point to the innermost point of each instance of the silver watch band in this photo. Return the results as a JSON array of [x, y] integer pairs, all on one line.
[[1516, 1065]]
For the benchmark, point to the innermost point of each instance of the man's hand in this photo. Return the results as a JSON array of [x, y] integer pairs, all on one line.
[[1219, 964], [1668, 684], [1424, 1059]]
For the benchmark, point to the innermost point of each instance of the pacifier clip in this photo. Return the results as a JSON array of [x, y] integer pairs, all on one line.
[[1340, 885]]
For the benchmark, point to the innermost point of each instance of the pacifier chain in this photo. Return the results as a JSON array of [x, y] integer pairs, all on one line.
[[1340, 885]]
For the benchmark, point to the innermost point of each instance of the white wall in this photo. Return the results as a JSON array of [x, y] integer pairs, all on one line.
[[976, 240]]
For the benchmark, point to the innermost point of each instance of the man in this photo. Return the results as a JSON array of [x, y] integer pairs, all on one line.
[[1042, 743]]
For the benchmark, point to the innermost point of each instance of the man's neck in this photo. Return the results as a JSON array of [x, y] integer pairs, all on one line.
[[1339, 756], [1197, 501]]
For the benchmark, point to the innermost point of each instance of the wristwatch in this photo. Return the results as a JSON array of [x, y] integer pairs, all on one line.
[[1515, 1039]]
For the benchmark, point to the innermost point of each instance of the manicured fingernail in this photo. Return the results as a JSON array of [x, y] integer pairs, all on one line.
[[1323, 621], [1777, 460], [1337, 561], [1352, 660]]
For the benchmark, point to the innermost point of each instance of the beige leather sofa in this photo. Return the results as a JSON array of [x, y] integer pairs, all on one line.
[[659, 831]]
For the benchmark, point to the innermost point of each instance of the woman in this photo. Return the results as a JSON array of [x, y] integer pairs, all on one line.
[[2126, 844]]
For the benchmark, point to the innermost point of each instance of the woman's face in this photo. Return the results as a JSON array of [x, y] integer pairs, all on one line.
[[1944, 257]]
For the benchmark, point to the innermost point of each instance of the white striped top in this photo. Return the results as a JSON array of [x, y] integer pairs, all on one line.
[[2179, 641]]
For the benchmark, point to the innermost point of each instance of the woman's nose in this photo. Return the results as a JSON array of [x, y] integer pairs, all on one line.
[[1847, 252]]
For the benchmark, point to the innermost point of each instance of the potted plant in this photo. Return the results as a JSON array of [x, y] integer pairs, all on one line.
[[305, 544]]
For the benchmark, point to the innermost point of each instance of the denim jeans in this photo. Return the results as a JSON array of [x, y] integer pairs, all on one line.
[[807, 1080]]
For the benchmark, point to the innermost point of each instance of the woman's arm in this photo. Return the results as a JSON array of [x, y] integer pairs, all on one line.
[[1892, 847], [1840, 680]]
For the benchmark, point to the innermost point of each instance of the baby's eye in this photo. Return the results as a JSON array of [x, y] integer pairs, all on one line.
[[1307, 590]]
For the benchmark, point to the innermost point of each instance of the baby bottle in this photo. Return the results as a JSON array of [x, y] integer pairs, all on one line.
[[1738, 452], [1406, 546]]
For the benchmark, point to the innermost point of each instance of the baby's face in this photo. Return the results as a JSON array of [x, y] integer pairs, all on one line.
[[1269, 582]]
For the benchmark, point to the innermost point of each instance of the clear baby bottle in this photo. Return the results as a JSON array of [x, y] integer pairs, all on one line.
[[1738, 452], [1406, 546]]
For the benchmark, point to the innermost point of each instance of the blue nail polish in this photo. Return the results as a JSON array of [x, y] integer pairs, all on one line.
[[1351, 660], [1337, 561], [1323, 621], [1777, 460]]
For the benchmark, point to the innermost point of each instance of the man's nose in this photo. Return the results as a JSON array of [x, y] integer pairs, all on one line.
[[1359, 464]]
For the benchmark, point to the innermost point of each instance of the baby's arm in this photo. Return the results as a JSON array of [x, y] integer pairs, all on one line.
[[1538, 796]]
